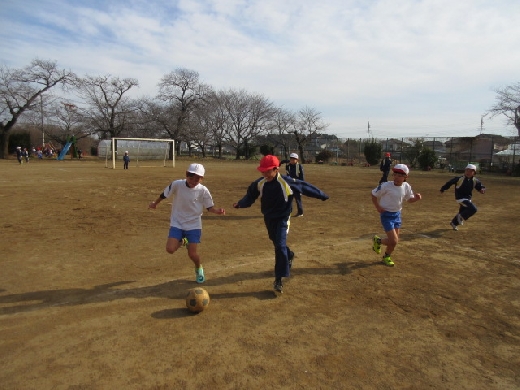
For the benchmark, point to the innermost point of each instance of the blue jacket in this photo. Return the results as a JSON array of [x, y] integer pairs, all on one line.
[[463, 186], [276, 196]]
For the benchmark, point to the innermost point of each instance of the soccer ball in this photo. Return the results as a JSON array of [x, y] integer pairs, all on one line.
[[197, 299]]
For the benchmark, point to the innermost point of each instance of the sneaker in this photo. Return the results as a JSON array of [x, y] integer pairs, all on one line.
[[184, 243], [298, 215], [199, 275], [291, 257], [388, 261], [278, 285], [454, 227], [376, 244], [460, 220]]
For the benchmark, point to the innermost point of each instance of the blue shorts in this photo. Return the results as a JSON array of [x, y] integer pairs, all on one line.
[[391, 220], [193, 236]]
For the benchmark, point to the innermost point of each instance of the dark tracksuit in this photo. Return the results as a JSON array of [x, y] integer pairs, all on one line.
[[126, 159], [276, 205], [385, 168], [296, 172], [463, 193]]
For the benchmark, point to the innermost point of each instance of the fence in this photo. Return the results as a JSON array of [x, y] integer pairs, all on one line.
[[491, 152]]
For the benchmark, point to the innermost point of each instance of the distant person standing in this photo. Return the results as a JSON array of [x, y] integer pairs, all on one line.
[[126, 159], [384, 167], [463, 192], [19, 154], [25, 154], [295, 170]]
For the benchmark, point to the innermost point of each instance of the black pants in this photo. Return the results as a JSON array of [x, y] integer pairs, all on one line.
[[384, 178], [466, 210]]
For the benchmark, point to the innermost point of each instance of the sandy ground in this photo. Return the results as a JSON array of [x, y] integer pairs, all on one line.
[[89, 298]]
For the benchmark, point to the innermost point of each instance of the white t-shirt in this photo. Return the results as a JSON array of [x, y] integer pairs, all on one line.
[[391, 197], [188, 204]]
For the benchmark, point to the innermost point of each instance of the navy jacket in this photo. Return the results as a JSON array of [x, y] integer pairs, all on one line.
[[276, 196], [463, 186]]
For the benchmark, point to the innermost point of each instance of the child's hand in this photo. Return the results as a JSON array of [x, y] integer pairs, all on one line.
[[235, 205], [152, 205], [483, 191], [220, 211], [418, 196]]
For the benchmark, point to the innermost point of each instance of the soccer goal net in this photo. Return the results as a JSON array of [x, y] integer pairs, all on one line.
[[143, 152]]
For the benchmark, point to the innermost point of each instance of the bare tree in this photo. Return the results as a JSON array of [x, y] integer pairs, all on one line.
[[308, 125], [206, 124], [67, 121], [157, 119], [19, 90], [183, 91], [283, 122], [247, 117], [109, 108], [508, 103]]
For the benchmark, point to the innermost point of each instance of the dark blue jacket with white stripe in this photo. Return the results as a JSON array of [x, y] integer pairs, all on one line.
[[276, 196], [463, 186]]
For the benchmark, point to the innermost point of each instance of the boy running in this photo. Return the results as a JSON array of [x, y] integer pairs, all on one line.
[[388, 199], [463, 192], [276, 193], [190, 200]]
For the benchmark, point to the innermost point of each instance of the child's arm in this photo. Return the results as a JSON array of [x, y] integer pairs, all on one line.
[[375, 201], [250, 197], [448, 184], [416, 198], [212, 209], [154, 204]]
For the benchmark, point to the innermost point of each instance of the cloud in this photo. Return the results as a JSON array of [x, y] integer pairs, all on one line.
[[412, 65]]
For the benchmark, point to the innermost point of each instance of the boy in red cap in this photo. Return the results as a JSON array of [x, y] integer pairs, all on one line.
[[190, 200], [276, 193], [388, 199], [384, 167]]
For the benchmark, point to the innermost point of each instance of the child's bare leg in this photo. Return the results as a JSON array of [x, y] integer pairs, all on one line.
[[194, 256], [172, 244], [391, 240]]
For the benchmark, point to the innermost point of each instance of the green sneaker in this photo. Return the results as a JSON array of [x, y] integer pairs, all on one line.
[[184, 243], [376, 244], [199, 275], [388, 261]]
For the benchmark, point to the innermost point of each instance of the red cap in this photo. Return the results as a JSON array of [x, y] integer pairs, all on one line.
[[387, 154], [268, 162]]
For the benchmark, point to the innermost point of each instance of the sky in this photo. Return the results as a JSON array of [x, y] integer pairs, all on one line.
[[372, 68]]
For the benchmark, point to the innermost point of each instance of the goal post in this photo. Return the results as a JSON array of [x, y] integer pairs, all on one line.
[[143, 149]]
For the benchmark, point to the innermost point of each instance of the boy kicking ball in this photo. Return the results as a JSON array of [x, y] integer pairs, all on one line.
[[388, 199]]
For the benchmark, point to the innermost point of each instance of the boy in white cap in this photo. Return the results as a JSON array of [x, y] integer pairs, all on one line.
[[463, 192], [276, 192], [190, 200], [388, 199], [295, 170], [19, 154]]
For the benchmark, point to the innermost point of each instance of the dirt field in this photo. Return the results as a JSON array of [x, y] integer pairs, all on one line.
[[89, 298]]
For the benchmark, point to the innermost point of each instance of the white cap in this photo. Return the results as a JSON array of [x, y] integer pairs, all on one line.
[[401, 168], [471, 166], [293, 155], [197, 169], [126, 151]]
